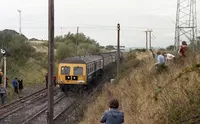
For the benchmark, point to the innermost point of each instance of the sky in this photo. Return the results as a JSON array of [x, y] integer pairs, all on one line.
[[97, 19]]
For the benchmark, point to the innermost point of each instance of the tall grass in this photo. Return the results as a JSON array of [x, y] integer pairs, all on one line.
[[146, 97]]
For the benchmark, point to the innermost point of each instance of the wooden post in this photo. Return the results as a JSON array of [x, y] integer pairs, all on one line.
[[51, 60], [4, 60]]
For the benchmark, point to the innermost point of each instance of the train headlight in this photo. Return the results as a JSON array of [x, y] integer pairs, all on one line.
[[61, 81], [80, 81]]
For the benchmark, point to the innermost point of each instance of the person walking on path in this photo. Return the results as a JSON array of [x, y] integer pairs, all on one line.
[[15, 85], [20, 81], [113, 115], [2, 93], [46, 79]]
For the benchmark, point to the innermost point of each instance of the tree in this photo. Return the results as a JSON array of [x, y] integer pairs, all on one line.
[[110, 47], [86, 45], [64, 51], [171, 47]]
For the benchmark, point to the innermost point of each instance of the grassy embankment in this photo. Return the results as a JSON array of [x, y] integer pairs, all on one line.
[[150, 98]]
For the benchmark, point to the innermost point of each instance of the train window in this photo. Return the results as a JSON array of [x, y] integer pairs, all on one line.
[[65, 70], [78, 70], [90, 67], [93, 67]]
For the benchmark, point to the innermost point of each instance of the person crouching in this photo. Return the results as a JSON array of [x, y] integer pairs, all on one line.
[[160, 65]]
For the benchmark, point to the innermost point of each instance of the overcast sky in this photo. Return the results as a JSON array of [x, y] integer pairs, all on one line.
[[96, 18]]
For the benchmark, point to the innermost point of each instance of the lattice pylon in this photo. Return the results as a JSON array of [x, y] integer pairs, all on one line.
[[186, 23]]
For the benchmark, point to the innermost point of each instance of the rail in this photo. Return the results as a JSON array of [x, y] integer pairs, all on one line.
[[75, 105], [26, 97], [19, 104], [43, 110]]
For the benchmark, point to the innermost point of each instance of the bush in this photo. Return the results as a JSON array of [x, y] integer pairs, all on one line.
[[64, 51]]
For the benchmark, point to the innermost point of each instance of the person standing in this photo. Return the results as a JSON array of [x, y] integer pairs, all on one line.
[[113, 115], [20, 82], [46, 79], [2, 93], [15, 85], [183, 49], [54, 79], [1, 76]]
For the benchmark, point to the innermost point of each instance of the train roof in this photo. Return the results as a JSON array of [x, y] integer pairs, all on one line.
[[81, 59]]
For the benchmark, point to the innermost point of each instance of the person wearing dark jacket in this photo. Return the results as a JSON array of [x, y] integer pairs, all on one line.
[[20, 81], [15, 85], [113, 115], [46, 79], [2, 93]]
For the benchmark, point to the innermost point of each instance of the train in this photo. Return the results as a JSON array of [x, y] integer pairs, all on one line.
[[82, 71]]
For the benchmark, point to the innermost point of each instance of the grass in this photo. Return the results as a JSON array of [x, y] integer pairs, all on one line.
[[149, 98]]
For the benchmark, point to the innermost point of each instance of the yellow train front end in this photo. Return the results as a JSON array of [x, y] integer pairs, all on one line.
[[72, 74]]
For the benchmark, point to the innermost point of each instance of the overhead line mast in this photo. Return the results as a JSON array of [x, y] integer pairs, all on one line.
[[186, 23]]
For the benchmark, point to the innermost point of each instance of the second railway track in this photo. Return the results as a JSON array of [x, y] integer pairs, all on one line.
[[18, 110], [64, 115], [18, 104]]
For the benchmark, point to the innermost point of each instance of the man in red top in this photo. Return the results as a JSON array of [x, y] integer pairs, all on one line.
[[183, 49], [54, 79]]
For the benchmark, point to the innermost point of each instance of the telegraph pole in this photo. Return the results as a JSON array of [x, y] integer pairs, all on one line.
[[61, 31], [118, 50], [51, 60], [77, 41], [186, 23], [4, 72], [4, 66], [150, 31], [146, 40], [19, 21]]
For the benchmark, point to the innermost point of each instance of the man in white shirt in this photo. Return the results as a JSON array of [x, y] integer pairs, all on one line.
[[169, 56]]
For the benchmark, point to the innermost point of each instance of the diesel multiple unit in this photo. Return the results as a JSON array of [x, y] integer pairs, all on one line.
[[83, 69]]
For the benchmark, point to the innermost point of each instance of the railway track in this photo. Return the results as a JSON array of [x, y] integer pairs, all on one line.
[[65, 104], [40, 116], [31, 109], [66, 113], [8, 112], [18, 104]]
